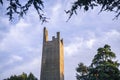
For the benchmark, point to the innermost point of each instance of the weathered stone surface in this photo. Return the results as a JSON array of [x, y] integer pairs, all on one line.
[[52, 65]]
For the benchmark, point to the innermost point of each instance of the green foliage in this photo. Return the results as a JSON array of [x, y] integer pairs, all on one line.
[[15, 7], [82, 72], [103, 66], [23, 76], [106, 5], [31, 77], [1, 1]]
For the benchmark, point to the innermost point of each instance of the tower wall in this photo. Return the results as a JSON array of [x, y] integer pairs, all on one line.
[[52, 66]]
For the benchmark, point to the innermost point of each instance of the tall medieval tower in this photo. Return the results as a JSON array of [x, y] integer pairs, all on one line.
[[52, 65]]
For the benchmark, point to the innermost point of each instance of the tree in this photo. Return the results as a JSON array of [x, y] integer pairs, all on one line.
[[23, 76], [82, 72], [103, 66], [15, 7], [31, 77], [106, 5]]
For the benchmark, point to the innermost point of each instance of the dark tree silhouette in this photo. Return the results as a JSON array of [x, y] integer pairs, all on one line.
[[82, 72], [103, 66], [15, 7], [106, 5], [23, 76]]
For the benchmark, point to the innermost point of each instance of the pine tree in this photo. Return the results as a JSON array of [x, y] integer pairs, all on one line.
[[103, 66]]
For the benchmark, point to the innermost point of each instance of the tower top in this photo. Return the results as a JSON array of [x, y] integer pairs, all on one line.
[[45, 35], [58, 35]]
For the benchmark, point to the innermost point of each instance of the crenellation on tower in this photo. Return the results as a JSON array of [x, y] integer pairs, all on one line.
[[52, 65], [53, 38], [45, 35], [58, 35]]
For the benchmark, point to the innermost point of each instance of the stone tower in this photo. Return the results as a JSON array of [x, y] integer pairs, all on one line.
[[52, 65]]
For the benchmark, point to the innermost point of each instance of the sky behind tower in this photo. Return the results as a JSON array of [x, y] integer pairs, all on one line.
[[21, 40]]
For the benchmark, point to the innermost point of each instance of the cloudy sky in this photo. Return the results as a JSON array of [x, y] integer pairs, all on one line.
[[21, 40]]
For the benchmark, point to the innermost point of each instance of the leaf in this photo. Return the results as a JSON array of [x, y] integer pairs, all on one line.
[[1, 2], [86, 8]]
